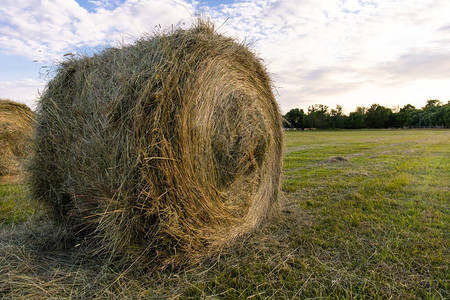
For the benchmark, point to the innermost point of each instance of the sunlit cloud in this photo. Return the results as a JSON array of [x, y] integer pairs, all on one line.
[[25, 91], [335, 50], [45, 30], [349, 52]]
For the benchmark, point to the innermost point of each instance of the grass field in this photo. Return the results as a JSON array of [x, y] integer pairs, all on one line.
[[364, 214]]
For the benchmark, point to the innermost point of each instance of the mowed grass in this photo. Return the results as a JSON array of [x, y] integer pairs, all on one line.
[[15, 204], [364, 214]]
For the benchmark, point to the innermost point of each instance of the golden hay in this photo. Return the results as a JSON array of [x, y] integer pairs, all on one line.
[[15, 129], [164, 150]]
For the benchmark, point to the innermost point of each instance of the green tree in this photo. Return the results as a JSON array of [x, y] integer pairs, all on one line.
[[294, 118], [446, 117], [317, 116], [440, 115], [336, 117], [431, 104], [357, 118], [431, 115], [378, 116], [405, 115]]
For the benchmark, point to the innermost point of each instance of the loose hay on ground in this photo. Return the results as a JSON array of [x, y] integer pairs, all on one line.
[[336, 159], [167, 150]]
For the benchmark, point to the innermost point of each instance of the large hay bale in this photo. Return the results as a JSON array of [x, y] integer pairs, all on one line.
[[167, 148], [15, 129]]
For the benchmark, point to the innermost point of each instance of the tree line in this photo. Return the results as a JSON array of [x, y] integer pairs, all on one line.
[[433, 114]]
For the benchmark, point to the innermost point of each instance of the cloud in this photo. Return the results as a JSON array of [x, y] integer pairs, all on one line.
[[329, 50], [347, 52], [108, 4], [45, 30], [26, 90], [415, 65]]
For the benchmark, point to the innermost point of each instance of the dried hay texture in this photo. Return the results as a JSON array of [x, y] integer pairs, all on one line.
[[167, 149], [15, 130]]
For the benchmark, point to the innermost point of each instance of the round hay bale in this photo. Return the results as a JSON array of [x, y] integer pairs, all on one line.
[[15, 129], [168, 148]]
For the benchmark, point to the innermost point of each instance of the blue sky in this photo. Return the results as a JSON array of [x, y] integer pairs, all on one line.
[[348, 52]]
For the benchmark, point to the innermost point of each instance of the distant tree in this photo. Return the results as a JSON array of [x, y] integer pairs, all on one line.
[[317, 116], [446, 117], [433, 113], [432, 104], [394, 121], [440, 115], [416, 118], [294, 118], [336, 117], [356, 119], [378, 116], [405, 115]]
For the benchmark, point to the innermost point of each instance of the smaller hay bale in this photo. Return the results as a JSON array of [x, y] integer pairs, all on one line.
[[166, 150], [15, 130]]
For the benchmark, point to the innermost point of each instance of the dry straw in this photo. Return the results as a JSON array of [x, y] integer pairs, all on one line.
[[15, 129], [168, 149]]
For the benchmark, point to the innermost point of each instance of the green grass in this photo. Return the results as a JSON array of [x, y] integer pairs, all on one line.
[[375, 224], [15, 206]]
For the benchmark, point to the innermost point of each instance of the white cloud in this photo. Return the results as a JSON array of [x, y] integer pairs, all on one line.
[[349, 52], [322, 51], [26, 91], [45, 29]]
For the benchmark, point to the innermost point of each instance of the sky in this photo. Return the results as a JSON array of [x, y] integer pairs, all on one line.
[[347, 52]]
